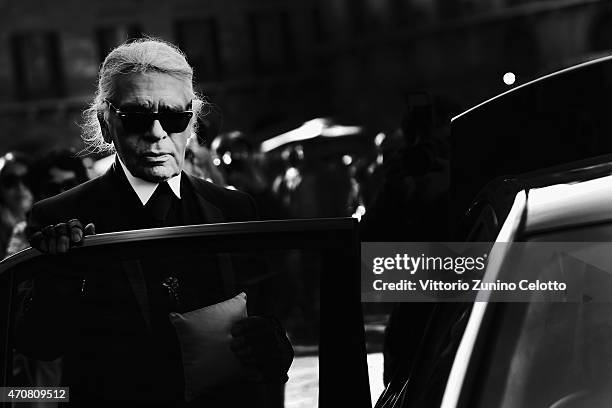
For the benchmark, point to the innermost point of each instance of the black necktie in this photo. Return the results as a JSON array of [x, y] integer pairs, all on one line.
[[159, 203]]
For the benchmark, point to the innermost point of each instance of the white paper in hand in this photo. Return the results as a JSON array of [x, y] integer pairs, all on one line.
[[204, 337]]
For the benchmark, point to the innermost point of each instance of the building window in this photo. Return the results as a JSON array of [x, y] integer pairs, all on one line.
[[319, 27], [271, 42], [108, 38], [37, 65], [449, 9], [399, 11], [520, 49], [199, 39], [601, 33], [405, 12], [517, 2], [356, 11]]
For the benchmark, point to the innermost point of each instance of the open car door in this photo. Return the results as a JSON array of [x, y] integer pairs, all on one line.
[[306, 273]]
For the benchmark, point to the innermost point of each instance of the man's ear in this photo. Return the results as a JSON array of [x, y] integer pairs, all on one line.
[[104, 127]]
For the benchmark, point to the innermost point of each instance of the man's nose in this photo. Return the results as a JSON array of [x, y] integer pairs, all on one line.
[[156, 131]]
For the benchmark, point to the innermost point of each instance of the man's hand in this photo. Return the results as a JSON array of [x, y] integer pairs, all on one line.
[[60, 238], [261, 343]]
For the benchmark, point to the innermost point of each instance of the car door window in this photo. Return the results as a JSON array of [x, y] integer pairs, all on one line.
[[550, 352]]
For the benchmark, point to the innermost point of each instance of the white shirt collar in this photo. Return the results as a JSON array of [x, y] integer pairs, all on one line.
[[144, 189]]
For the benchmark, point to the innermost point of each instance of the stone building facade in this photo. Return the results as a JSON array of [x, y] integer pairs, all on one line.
[[272, 63]]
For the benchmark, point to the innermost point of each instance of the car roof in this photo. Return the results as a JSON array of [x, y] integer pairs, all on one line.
[[569, 205], [559, 118], [474, 109]]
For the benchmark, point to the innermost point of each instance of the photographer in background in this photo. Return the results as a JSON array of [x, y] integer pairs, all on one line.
[[56, 172], [16, 196], [411, 205]]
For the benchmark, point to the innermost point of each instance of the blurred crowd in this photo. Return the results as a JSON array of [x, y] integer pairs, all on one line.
[[395, 182], [24, 181]]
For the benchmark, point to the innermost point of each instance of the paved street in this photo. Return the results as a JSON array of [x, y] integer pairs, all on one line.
[[302, 388]]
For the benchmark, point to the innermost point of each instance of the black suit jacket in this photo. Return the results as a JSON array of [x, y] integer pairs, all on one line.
[[109, 349], [104, 201]]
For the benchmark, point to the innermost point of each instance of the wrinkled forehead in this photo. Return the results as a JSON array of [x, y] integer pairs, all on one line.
[[151, 90]]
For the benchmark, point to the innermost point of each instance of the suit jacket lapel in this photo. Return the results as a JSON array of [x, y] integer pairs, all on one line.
[[108, 217], [116, 207], [212, 214]]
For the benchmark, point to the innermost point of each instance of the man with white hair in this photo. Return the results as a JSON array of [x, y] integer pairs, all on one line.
[[146, 109]]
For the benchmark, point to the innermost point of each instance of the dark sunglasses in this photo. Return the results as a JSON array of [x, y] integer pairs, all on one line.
[[140, 122], [13, 180]]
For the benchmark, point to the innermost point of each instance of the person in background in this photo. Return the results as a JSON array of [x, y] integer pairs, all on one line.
[[243, 171], [16, 197], [412, 205], [57, 172], [199, 163]]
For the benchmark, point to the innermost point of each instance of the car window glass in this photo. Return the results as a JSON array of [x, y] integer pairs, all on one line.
[[546, 353]]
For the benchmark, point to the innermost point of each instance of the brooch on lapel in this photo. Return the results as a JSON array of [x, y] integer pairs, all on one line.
[[171, 283]]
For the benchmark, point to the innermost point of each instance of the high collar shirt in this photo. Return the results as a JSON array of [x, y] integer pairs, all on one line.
[[144, 189]]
